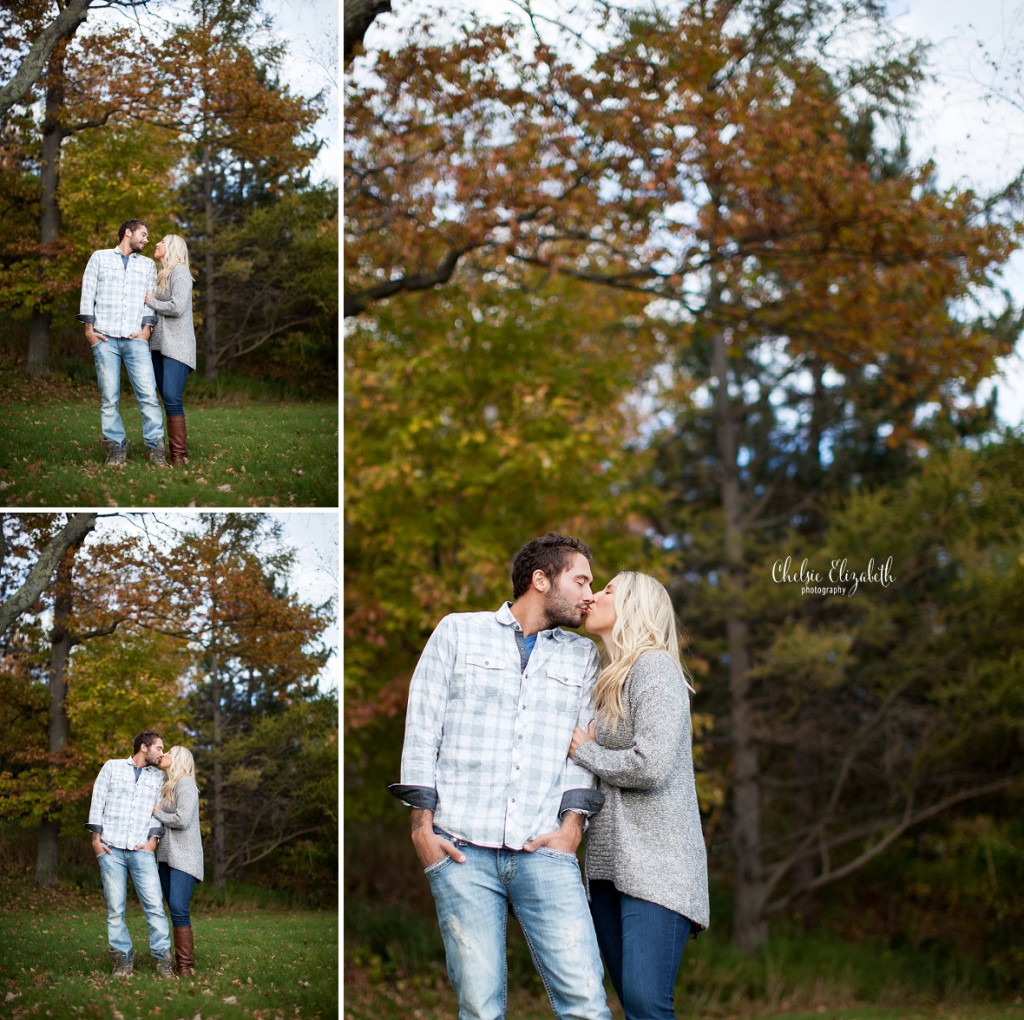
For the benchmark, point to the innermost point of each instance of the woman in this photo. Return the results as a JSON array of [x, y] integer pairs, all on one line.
[[179, 853], [172, 344], [645, 862]]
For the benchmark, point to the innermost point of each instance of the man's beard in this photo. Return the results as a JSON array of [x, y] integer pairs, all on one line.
[[560, 612]]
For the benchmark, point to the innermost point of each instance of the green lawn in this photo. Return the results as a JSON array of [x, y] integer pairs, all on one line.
[[240, 454], [256, 964]]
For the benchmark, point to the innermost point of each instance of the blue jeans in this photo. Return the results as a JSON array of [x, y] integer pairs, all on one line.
[[177, 888], [170, 381], [115, 868], [110, 355], [642, 944], [545, 891]]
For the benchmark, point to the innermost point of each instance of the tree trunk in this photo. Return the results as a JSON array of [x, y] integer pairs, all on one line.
[[37, 361], [210, 323], [61, 642], [359, 15], [219, 850], [749, 926]]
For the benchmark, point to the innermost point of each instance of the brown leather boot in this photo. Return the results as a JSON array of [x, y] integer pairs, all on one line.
[[184, 953], [178, 439]]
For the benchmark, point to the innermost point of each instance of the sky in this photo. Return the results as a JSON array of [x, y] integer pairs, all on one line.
[[975, 143], [310, 29]]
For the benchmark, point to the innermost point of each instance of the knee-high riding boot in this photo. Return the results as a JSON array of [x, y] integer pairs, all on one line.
[[178, 439], [184, 952]]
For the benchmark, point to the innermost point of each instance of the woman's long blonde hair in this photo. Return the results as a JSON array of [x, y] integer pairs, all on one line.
[[175, 254], [645, 622], [182, 764]]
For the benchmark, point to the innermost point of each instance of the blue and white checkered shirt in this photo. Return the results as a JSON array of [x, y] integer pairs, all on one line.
[[486, 738], [114, 295], [122, 807]]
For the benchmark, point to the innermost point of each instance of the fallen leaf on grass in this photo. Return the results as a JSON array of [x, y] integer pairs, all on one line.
[[230, 999], [224, 488]]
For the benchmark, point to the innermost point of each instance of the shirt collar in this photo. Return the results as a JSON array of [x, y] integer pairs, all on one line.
[[506, 618]]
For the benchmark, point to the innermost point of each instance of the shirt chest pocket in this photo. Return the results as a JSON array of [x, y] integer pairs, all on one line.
[[479, 676], [561, 690]]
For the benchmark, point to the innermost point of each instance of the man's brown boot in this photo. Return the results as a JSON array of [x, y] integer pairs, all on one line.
[[184, 953], [177, 437]]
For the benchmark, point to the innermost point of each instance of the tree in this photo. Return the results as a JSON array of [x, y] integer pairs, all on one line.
[[54, 34], [282, 815], [279, 272], [22, 597], [93, 596], [254, 644], [359, 16], [216, 86], [896, 690], [86, 81]]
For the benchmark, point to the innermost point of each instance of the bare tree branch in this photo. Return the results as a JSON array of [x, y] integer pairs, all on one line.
[[910, 818]]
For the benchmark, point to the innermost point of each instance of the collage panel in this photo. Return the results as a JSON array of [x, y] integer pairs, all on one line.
[[169, 724], [169, 265], [684, 474]]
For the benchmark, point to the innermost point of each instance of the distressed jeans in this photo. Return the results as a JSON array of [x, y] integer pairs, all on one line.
[[115, 868], [545, 891], [109, 355], [642, 944]]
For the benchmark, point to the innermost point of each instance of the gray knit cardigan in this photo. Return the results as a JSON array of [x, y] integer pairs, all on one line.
[[647, 838], [182, 844], [174, 335]]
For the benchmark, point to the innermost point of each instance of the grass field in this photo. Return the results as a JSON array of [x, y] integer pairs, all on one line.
[[252, 963], [242, 452]]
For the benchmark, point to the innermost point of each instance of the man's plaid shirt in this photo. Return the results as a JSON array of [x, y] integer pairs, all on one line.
[[113, 295], [122, 807], [486, 739]]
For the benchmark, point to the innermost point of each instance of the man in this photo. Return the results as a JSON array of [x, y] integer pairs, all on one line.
[[497, 807], [118, 326], [124, 840]]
